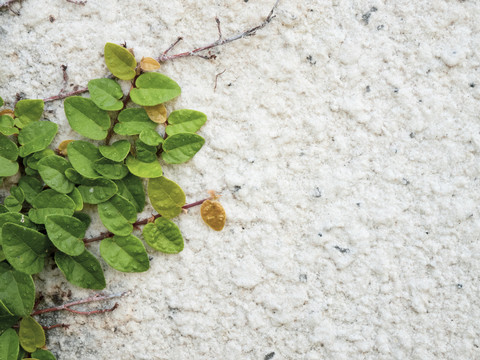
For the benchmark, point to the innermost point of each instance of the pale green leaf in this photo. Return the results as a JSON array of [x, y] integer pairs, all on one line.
[[31, 187], [41, 354], [14, 201], [144, 152], [120, 61], [185, 121], [180, 148], [6, 125], [163, 235], [7, 319], [28, 111], [36, 136], [105, 93], [118, 151], [31, 334], [86, 118], [151, 137], [153, 89], [145, 170], [8, 155], [77, 198], [125, 253], [133, 121], [34, 159], [166, 197]]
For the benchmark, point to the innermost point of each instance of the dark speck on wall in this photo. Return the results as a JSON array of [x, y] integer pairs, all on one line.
[[236, 188], [472, 84], [395, 90], [412, 135], [317, 193], [366, 16], [269, 356], [459, 286], [380, 27], [320, 234], [302, 277], [51, 18], [367, 89], [342, 250], [311, 60]]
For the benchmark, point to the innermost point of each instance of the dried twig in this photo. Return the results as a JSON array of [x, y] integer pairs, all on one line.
[[96, 297], [219, 42], [65, 95], [8, 5], [76, 2], [108, 234], [216, 79]]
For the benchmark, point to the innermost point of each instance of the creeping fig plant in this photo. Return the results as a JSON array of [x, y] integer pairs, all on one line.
[[42, 217]]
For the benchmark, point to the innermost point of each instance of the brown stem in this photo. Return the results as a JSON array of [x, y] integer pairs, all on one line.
[[76, 2], [65, 326], [8, 5], [108, 234], [96, 297], [65, 95], [220, 41], [126, 99]]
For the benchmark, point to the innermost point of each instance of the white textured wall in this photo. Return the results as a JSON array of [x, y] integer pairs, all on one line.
[[346, 144]]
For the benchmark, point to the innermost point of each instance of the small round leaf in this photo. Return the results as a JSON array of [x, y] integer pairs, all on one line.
[[118, 214], [151, 137], [166, 197], [66, 233], [82, 156], [118, 151], [185, 121], [153, 89], [131, 188], [50, 202], [120, 61], [110, 169], [86, 118], [52, 170], [125, 253], [180, 148], [9, 345], [106, 94], [28, 111], [142, 169], [163, 235], [96, 191], [83, 270], [36, 136], [31, 334], [133, 121], [17, 290]]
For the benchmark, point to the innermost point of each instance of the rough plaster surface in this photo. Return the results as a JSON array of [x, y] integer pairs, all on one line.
[[345, 139]]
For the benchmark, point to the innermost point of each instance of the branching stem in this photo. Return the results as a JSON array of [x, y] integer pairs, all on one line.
[[108, 234], [220, 41], [94, 298]]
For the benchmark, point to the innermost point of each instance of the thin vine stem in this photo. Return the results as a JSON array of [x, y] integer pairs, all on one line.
[[94, 298], [108, 234]]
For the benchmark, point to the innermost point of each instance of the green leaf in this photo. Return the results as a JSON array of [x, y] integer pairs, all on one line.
[[21, 354], [9, 345], [118, 214], [31, 334], [151, 137], [163, 235], [125, 253], [153, 89], [118, 151], [6, 125], [144, 152], [50, 202], [166, 197], [36, 136], [34, 159], [97, 191], [84, 218], [145, 170], [105, 93], [17, 291], [133, 121], [131, 188], [1, 101], [86, 118], [120, 61], [14, 201], [7, 319], [83, 270], [52, 170], [185, 121], [66, 233], [3, 209], [31, 187], [8, 155], [28, 111], [74, 176], [15, 218], [77, 198], [180, 148], [41, 354], [82, 156], [24, 248], [110, 169]]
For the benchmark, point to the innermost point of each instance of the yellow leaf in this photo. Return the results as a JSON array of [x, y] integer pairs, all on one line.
[[157, 113], [149, 64], [213, 214], [8, 112], [62, 148]]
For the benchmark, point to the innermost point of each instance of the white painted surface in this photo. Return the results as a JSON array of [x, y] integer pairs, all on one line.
[[347, 154]]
